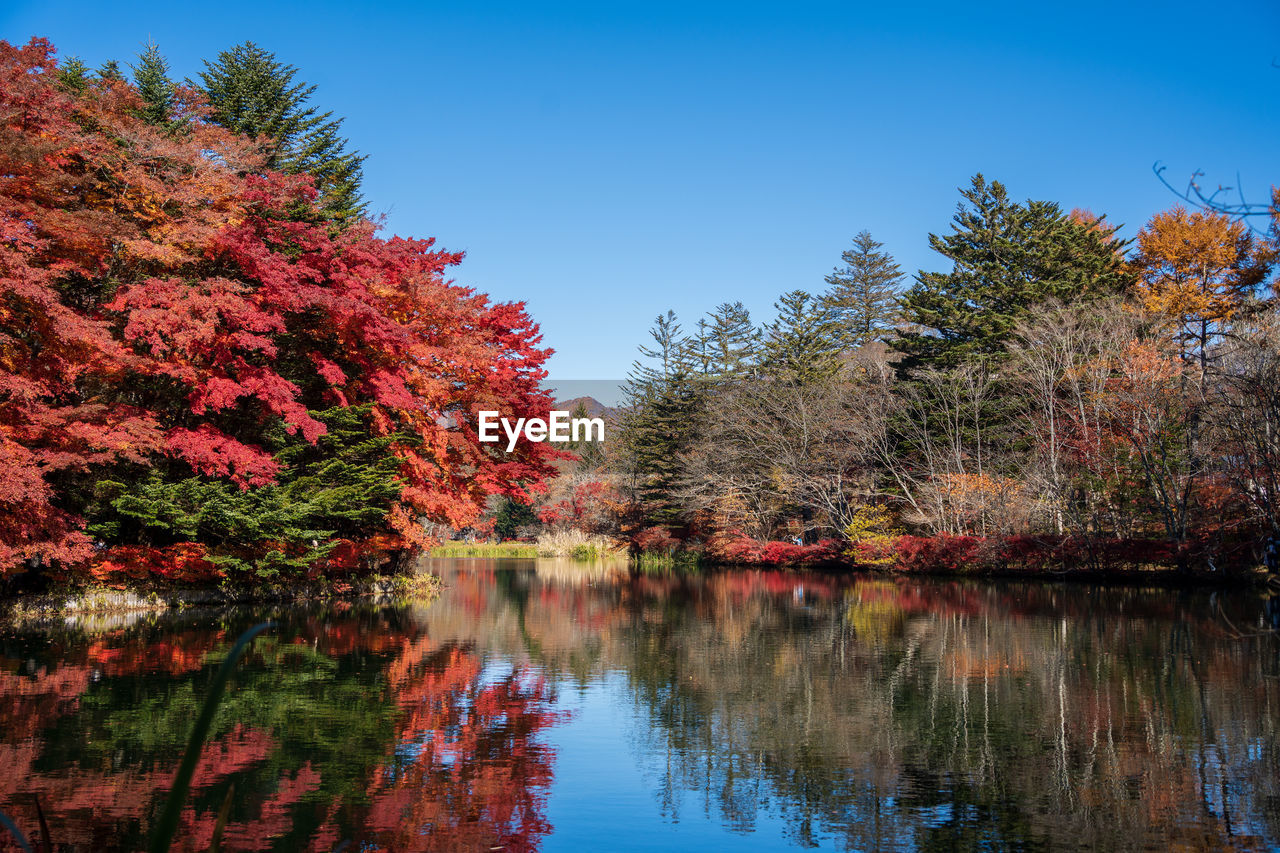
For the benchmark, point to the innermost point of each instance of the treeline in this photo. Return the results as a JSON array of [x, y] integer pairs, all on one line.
[[1058, 394], [211, 366]]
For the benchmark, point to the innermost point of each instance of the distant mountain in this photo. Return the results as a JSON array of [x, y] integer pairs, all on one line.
[[595, 409]]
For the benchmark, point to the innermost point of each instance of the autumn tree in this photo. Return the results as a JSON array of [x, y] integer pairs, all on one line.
[[947, 463], [181, 327], [1066, 359], [58, 362], [1246, 417], [774, 455], [1198, 269], [864, 293]]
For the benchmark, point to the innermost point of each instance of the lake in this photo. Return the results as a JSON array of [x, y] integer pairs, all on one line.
[[548, 705]]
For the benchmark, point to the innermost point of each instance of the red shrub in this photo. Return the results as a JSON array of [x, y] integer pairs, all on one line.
[[183, 563], [655, 540], [740, 549]]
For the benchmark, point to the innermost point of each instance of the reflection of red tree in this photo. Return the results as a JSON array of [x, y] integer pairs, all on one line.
[[470, 773], [466, 770], [86, 808]]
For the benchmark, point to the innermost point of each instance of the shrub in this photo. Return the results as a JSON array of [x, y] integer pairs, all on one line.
[[871, 536], [655, 540]]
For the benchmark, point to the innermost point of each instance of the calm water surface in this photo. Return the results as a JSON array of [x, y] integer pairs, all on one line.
[[539, 705]]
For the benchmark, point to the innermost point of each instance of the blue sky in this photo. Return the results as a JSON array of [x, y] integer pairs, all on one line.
[[607, 161]]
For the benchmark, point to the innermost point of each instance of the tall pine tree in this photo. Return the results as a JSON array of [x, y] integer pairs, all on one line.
[[253, 93], [110, 72], [803, 344], [151, 76], [864, 294], [659, 418], [728, 342], [1006, 258]]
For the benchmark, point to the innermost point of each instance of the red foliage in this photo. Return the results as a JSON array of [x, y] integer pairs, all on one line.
[[940, 553], [183, 563], [589, 507], [737, 548], [946, 554], [161, 294], [655, 540]]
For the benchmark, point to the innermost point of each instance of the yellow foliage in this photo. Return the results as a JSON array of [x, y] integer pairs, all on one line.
[[871, 534], [1195, 266]]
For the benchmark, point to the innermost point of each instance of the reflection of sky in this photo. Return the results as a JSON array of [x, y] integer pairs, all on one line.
[[602, 785]]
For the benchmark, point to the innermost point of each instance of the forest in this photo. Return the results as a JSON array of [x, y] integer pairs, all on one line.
[[214, 368], [1060, 398]]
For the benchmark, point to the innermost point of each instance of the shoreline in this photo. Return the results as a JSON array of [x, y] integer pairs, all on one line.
[[75, 603], [69, 604]]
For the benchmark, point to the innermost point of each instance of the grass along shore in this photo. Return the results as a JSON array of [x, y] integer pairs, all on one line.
[[572, 544]]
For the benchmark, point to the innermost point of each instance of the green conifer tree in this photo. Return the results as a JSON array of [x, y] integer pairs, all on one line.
[[73, 75], [662, 400], [1007, 257], [110, 72], [729, 343], [590, 453], [864, 294], [253, 93], [803, 344], [511, 516], [151, 76], [340, 487]]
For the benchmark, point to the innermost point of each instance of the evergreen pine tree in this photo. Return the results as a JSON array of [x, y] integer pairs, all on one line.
[[253, 93], [151, 76], [511, 516], [341, 487], [864, 294], [73, 75], [590, 453], [729, 344], [1007, 257], [110, 72], [659, 417], [803, 344]]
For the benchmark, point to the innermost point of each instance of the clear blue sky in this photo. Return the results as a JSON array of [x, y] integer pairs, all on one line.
[[606, 161]]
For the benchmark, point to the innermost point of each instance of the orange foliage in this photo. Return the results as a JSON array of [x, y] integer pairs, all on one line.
[[1196, 268]]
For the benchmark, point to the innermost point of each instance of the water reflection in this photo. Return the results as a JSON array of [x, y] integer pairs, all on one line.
[[846, 713], [350, 723]]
